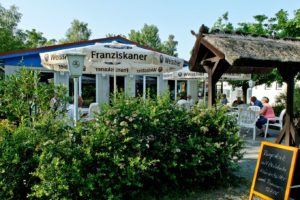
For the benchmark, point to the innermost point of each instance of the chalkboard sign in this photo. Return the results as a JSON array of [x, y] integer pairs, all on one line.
[[295, 191], [274, 171]]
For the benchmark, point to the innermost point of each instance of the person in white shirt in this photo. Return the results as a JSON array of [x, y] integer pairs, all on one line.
[[182, 102], [54, 102], [190, 100], [71, 106]]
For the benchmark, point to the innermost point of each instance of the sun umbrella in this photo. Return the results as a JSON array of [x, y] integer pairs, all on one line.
[[114, 58], [105, 58], [186, 74]]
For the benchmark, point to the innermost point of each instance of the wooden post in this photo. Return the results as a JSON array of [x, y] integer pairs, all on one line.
[[289, 133], [211, 87]]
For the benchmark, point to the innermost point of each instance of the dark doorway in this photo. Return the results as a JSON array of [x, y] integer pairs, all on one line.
[[46, 77], [171, 84], [88, 89], [120, 84]]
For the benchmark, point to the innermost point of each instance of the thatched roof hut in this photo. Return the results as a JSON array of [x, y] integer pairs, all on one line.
[[246, 54], [216, 54]]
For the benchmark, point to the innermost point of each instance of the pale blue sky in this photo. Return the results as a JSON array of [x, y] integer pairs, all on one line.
[[177, 17]]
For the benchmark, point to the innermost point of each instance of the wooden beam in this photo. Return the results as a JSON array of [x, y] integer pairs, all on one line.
[[289, 133], [213, 49], [214, 74]]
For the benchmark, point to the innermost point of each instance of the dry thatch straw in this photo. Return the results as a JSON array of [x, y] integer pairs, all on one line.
[[240, 49]]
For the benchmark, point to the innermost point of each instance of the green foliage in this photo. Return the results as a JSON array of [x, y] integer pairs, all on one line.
[[16, 162], [297, 100], [10, 37], [133, 147], [22, 99], [149, 36], [34, 39], [279, 26], [222, 24], [280, 102], [78, 31], [170, 46]]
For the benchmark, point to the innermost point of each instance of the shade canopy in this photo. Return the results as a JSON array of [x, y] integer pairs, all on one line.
[[217, 54], [114, 58], [244, 54], [186, 74]]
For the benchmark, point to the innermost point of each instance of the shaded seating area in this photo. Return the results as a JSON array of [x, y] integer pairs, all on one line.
[[218, 53], [247, 118], [94, 108], [277, 122]]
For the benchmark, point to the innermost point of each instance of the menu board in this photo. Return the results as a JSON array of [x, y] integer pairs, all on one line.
[[274, 171]]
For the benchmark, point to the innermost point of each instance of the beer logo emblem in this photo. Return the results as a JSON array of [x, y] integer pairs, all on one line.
[[179, 74], [160, 69], [117, 47], [46, 57], [76, 63], [161, 59]]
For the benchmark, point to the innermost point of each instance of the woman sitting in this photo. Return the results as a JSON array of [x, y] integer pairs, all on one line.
[[265, 113]]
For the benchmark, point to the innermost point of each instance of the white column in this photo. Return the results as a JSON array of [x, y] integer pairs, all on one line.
[[192, 89], [80, 86], [102, 88], [144, 87], [62, 78], [130, 85], [98, 88], [162, 85], [76, 82], [175, 93]]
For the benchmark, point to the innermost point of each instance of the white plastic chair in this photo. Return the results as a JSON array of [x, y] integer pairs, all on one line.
[[93, 109], [242, 106], [278, 122], [247, 118]]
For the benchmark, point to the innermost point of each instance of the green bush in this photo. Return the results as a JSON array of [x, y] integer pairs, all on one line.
[[133, 147], [23, 98], [17, 160]]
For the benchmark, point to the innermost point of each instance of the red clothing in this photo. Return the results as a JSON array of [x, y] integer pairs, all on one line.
[[267, 111]]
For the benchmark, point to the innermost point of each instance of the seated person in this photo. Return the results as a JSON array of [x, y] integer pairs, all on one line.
[[224, 100], [237, 102], [255, 102], [190, 100], [265, 113], [71, 106], [182, 102]]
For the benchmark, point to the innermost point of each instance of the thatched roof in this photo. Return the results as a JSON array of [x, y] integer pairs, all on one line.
[[245, 54]]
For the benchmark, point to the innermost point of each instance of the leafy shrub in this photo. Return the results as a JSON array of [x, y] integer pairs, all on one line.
[[23, 99], [132, 147], [17, 160]]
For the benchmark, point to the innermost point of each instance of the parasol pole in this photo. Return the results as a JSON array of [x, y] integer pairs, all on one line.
[[115, 81], [75, 114]]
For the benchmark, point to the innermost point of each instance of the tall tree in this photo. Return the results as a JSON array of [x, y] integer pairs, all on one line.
[[11, 38], [169, 46], [222, 24], [149, 36], [78, 31], [34, 39], [278, 26], [114, 35]]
